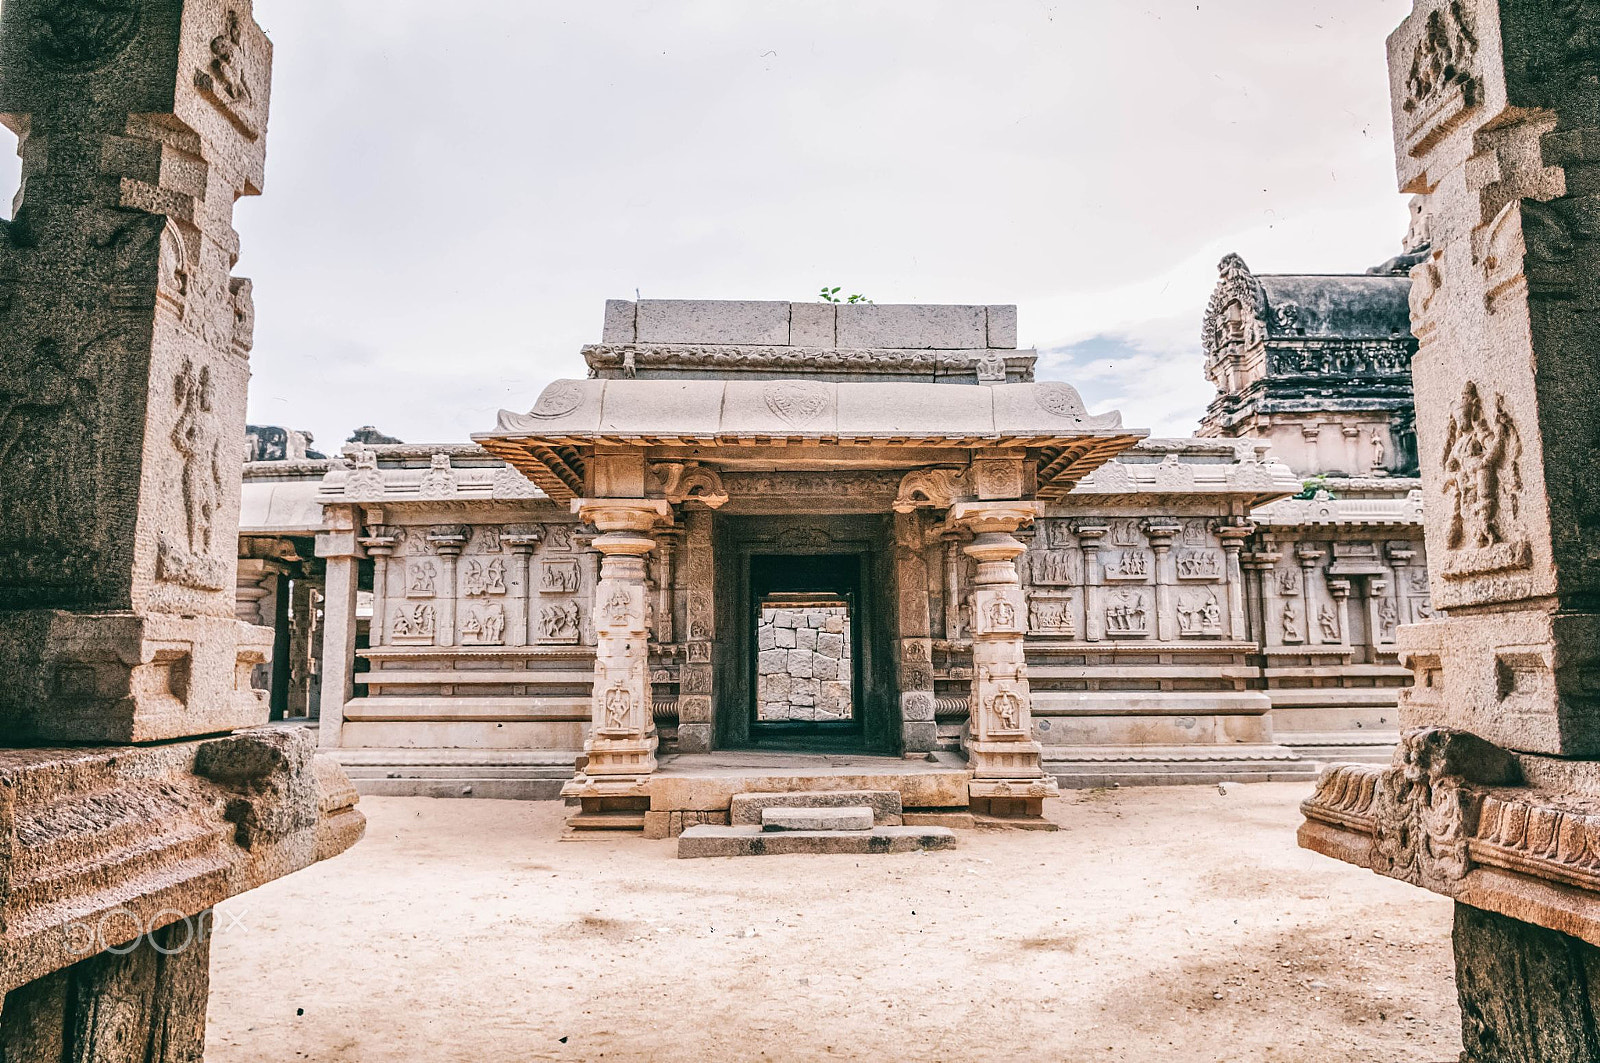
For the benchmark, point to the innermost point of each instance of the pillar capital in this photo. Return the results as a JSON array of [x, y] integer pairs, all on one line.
[[981, 517], [622, 514]]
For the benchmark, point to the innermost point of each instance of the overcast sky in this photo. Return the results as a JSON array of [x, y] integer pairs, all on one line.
[[453, 190]]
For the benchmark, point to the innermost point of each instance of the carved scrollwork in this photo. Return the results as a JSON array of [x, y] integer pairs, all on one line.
[[84, 34], [930, 488]]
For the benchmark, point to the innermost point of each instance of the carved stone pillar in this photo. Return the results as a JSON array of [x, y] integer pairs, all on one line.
[[914, 648], [447, 540], [1308, 556], [379, 544], [1339, 590], [697, 678], [952, 585], [124, 345], [1008, 774], [1233, 534], [1094, 617], [1493, 792], [622, 736], [520, 625], [1161, 533]]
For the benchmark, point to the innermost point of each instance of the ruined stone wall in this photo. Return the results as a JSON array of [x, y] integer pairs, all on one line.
[[804, 664]]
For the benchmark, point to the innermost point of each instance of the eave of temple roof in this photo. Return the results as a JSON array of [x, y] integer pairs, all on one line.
[[1336, 306], [550, 444]]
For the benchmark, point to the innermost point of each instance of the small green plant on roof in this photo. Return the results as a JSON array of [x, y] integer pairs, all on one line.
[[831, 295], [1314, 484]]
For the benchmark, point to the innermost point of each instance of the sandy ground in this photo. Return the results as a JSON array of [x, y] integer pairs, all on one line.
[[1159, 924]]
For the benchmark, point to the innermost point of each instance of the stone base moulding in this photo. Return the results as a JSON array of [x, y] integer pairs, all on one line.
[[1463, 818], [123, 677]]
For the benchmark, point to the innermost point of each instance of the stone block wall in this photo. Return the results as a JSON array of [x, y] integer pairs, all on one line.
[[803, 664]]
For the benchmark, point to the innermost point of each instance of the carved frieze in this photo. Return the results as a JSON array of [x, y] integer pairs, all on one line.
[[1199, 614], [1128, 565], [1055, 568], [421, 576], [1051, 614], [1198, 564]]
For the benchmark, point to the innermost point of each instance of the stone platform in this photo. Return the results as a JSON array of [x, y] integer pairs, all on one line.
[[691, 789]]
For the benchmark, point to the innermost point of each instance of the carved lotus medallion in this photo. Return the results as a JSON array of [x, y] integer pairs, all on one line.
[[83, 34], [558, 400], [799, 402], [1059, 399]]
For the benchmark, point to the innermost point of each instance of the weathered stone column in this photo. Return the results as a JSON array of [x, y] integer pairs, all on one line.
[[697, 678], [622, 737], [1233, 534], [914, 647], [131, 804], [1308, 556], [380, 546], [1008, 774], [522, 618], [1094, 617], [1161, 533], [447, 540], [1494, 794], [341, 550]]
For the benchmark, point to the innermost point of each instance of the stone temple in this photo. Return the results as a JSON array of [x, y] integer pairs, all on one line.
[[773, 545]]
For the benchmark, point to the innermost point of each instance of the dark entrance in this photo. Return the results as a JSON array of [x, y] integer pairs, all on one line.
[[804, 651], [823, 578]]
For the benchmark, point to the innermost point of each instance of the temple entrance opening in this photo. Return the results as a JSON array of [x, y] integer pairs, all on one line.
[[804, 657]]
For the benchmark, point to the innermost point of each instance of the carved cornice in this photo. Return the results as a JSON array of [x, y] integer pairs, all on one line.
[[1451, 814]]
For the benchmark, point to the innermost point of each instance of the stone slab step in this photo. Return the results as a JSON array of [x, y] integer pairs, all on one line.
[[848, 818], [753, 841], [606, 821], [747, 809]]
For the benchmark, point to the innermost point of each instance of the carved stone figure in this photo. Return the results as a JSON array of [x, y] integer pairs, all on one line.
[[619, 708], [1291, 622], [1050, 616], [561, 622], [1198, 564], [619, 607], [1002, 615], [1131, 564], [1055, 568], [1005, 707], [227, 61], [1387, 620], [420, 582], [1289, 582], [1125, 615], [1328, 622], [1482, 471], [483, 579], [1197, 616], [559, 577]]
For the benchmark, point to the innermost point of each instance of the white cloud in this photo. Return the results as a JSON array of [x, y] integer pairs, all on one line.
[[453, 190]]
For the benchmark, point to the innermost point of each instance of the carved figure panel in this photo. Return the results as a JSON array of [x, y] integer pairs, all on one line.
[[1198, 564], [1056, 568], [1482, 465], [558, 537], [483, 578], [420, 579], [413, 624], [483, 625], [1127, 615], [1051, 615], [1291, 622], [1388, 619], [560, 623], [187, 555], [559, 576], [1128, 565], [1289, 581], [618, 708], [1199, 614], [1005, 712]]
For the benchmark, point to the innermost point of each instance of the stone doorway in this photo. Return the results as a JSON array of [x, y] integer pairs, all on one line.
[[803, 610], [802, 656]]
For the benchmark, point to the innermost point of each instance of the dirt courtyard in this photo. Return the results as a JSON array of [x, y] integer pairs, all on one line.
[[1158, 924]]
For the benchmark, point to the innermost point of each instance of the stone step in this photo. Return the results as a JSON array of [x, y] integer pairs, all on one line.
[[746, 809], [606, 821], [753, 841], [858, 817]]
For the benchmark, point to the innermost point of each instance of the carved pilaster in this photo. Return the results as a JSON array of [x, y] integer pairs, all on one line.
[[523, 611], [622, 735], [380, 544], [697, 676], [1161, 533], [1008, 774], [1094, 617]]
